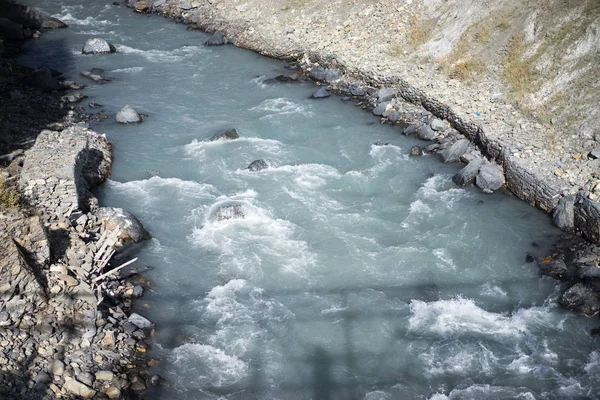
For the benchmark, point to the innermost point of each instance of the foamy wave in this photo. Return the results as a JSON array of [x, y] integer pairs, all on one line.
[[459, 359], [210, 366], [130, 69], [69, 19], [154, 55], [310, 176], [477, 392], [282, 106], [439, 189]]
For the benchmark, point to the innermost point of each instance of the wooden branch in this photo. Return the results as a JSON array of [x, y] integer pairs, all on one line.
[[112, 271]]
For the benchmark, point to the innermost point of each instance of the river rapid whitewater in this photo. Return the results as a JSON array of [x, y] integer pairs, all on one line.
[[357, 272]]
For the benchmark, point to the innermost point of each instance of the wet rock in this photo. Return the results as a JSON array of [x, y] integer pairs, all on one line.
[[139, 321], [581, 298], [468, 173], [438, 125], [385, 94], [325, 75], [98, 46], [230, 134], [381, 144], [556, 269], [231, 211], [128, 227], [455, 151], [156, 380], [409, 130], [73, 98], [490, 177], [127, 115], [563, 215], [587, 217], [49, 22], [281, 79], [321, 93], [426, 133], [217, 39], [79, 389], [10, 29], [257, 165], [96, 77], [380, 109], [415, 151], [42, 79]]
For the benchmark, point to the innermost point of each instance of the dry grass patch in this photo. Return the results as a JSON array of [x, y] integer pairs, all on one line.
[[9, 198]]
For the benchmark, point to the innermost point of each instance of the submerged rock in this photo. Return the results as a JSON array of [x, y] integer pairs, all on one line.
[[582, 298], [98, 46], [217, 39], [128, 115], [230, 211], [257, 165], [321, 93], [490, 177], [230, 134], [282, 79], [129, 229], [415, 151]]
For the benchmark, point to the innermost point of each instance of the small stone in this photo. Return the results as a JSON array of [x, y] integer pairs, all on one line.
[[104, 376], [113, 393], [79, 389], [68, 279]]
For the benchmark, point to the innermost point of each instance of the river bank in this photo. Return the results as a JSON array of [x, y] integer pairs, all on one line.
[[66, 326]]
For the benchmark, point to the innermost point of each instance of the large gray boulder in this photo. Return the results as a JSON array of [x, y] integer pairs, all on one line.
[[425, 133], [217, 39], [563, 215], [556, 269], [321, 93], [380, 109], [128, 228], [438, 125], [128, 115], [230, 134], [257, 165], [468, 173], [582, 298], [587, 217], [325, 75], [490, 177], [455, 152], [385, 94], [98, 46], [42, 79]]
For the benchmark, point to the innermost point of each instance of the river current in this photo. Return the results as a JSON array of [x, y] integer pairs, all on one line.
[[356, 273]]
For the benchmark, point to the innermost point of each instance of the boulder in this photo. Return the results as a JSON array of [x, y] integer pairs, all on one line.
[[325, 75], [426, 133], [42, 79], [321, 93], [380, 109], [563, 215], [10, 29], [217, 39], [128, 227], [79, 389], [230, 134], [357, 91], [409, 130], [455, 151], [385, 94], [468, 173], [128, 115], [438, 125], [96, 77], [490, 177], [98, 46], [282, 79], [257, 165], [587, 217], [139, 321], [581, 298], [49, 22], [415, 151], [556, 269], [230, 211]]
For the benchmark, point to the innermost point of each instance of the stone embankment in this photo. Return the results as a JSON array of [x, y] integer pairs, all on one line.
[[66, 327], [503, 145]]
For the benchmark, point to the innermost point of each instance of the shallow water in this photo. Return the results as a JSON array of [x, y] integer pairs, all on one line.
[[357, 272]]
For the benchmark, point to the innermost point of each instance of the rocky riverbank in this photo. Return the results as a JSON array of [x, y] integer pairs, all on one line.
[[66, 327], [478, 126]]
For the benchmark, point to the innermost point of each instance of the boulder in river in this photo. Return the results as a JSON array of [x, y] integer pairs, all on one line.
[[563, 215], [128, 115], [257, 165], [42, 79], [409, 130], [229, 211], [230, 134], [217, 39], [282, 79], [96, 77], [468, 173], [582, 298], [321, 93], [426, 133], [490, 177], [381, 108], [415, 151], [325, 75], [129, 229], [556, 268], [455, 151], [98, 46]]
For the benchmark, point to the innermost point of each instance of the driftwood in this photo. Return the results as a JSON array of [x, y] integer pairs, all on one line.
[[112, 271]]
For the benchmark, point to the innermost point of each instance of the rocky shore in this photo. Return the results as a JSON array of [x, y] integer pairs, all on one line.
[[499, 145], [66, 325]]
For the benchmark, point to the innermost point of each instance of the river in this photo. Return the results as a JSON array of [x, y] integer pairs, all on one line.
[[356, 272]]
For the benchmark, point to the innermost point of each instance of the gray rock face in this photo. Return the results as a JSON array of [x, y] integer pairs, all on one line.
[[217, 39], [257, 165], [42, 79], [129, 228], [564, 214], [556, 269], [230, 134], [581, 298], [325, 75], [98, 46], [409, 130], [454, 152], [587, 217], [380, 109], [231, 211], [426, 133], [415, 151], [49, 22], [139, 321], [490, 177], [385, 94], [10, 29], [321, 93], [468, 173], [128, 115], [438, 125]]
